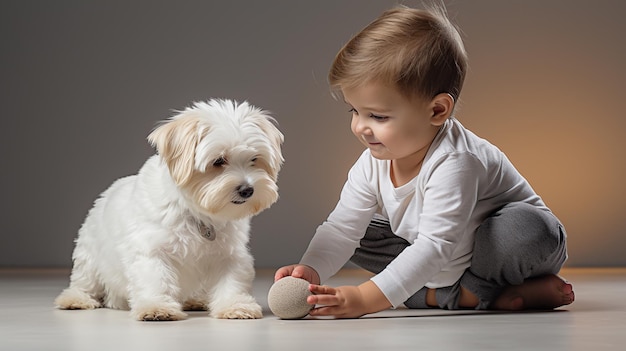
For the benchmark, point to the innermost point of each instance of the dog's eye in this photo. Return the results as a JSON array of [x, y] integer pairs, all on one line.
[[253, 159], [219, 162]]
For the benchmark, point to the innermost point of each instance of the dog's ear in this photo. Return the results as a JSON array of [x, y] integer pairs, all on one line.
[[176, 140], [269, 126], [276, 138]]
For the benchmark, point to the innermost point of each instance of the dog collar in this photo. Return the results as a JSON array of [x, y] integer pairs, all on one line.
[[207, 231]]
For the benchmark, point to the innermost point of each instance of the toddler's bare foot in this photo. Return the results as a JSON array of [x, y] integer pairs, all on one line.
[[541, 293]]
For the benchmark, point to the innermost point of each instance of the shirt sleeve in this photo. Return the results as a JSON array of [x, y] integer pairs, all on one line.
[[449, 191], [336, 239]]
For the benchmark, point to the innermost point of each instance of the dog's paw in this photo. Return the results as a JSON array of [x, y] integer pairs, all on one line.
[[74, 299], [156, 312], [240, 311], [161, 315]]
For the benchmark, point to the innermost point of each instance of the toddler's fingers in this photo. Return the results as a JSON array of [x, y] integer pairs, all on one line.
[[322, 289], [281, 273], [300, 272], [324, 300], [323, 311]]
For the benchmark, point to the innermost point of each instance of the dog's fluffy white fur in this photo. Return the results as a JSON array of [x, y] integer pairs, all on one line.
[[175, 236]]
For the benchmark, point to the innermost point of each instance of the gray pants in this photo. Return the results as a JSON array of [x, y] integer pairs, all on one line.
[[515, 243]]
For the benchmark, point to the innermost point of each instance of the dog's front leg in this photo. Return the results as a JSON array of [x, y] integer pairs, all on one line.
[[153, 290], [231, 297]]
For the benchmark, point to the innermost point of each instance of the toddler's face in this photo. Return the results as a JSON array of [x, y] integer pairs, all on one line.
[[392, 126]]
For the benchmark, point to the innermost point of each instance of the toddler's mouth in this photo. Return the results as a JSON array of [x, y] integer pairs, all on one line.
[[372, 141]]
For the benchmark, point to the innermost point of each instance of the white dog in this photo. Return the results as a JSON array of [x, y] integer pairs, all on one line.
[[175, 236]]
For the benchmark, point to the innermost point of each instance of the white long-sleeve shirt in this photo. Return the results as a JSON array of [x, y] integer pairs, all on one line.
[[463, 179]]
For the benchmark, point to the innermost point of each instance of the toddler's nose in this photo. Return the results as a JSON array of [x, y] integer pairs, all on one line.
[[361, 127]]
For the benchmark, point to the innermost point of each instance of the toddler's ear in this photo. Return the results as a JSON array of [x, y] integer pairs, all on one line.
[[441, 107]]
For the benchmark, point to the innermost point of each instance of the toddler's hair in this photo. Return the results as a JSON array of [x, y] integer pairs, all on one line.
[[419, 52]]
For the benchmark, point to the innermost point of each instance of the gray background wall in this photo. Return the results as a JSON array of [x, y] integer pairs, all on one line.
[[83, 83]]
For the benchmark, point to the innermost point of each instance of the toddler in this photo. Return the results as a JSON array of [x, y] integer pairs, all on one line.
[[440, 215]]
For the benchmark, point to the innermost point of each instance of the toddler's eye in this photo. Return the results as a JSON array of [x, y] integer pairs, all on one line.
[[219, 162], [379, 118], [352, 110]]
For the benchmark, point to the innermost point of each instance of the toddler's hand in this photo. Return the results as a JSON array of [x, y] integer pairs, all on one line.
[[347, 301], [298, 271]]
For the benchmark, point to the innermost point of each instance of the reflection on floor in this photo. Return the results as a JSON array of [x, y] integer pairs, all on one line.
[[595, 321]]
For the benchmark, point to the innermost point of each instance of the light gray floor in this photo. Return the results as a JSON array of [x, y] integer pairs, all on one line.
[[596, 321]]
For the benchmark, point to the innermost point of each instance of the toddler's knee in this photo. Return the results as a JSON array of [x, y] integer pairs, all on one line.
[[520, 227], [517, 242], [538, 230]]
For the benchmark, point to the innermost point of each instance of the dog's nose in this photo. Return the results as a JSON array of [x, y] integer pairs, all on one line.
[[245, 191]]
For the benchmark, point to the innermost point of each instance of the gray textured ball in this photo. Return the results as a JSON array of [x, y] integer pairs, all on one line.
[[287, 298]]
